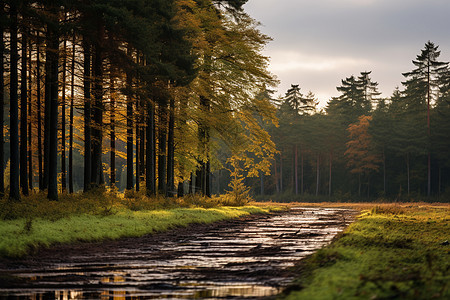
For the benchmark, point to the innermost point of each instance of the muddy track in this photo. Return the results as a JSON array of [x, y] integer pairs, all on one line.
[[242, 258]]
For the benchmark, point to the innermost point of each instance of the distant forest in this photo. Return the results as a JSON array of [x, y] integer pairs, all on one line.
[[173, 97], [364, 146]]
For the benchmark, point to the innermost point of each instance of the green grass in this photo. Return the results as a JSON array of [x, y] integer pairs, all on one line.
[[36, 222], [391, 252]]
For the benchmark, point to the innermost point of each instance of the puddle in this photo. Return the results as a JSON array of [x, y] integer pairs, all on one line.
[[242, 260]]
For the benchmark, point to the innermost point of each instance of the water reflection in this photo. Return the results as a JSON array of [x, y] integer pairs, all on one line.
[[235, 262]]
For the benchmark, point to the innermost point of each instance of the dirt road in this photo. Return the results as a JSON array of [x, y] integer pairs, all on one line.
[[244, 258]]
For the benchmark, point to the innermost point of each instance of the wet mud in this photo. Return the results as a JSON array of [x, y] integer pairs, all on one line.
[[246, 258]]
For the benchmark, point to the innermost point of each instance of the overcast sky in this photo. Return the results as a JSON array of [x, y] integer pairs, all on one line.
[[316, 43]]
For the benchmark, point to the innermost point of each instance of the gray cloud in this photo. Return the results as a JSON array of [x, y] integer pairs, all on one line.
[[321, 42]]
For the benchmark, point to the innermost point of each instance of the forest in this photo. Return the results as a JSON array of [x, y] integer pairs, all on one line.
[[131, 95], [174, 97], [364, 146]]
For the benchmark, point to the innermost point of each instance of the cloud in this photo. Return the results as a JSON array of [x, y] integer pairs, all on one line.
[[282, 61]]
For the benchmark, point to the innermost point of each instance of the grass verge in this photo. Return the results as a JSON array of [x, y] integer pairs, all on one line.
[[390, 252], [36, 222]]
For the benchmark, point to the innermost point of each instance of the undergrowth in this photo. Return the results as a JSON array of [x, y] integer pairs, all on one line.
[[36, 222]]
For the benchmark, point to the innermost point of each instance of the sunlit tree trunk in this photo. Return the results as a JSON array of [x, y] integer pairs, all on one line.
[[97, 130], [72, 96], [30, 135], [113, 132], [14, 193], [150, 151], [39, 111], [87, 115], [53, 132], [129, 82], [2, 102], [162, 143], [24, 117], [171, 150], [63, 117]]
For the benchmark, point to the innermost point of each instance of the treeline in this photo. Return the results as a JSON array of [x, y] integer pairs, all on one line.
[[362, 145], [160, 92]]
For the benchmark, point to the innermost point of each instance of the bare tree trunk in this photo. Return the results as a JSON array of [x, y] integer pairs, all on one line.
[[113, 132], [53, 132], [129, 82], [138, 146], [277, 186], [296, 169], [317, 175], [359, 184], [24, 117], [97, 130], [329, 182], [72, 95], [2, 102], [407, 170], [87, 116], [171, 150], [14, 193], [150, 151], [63, 117], [30, 135], [384, 172], [162, 143], [39, 112], [302, 173], [281, 173]]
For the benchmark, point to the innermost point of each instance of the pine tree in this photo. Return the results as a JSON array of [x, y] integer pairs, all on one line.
[[422, 82]]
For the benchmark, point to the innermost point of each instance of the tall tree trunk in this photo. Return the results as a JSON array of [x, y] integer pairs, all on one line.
[[204, 137], [359, 184], [281, 173], [171, 150], [429, 175], [261, 176], [150, 151], [138, 144], [302, 174], [331, 166], [368, 185], [24, 117], [113, 132], [72, 95], [87, 116], [39, 111], [407, 170], [14, 193], [97, 130], [47, 88], [384, 171], [277, 185], [53, 132], [63, 117], [317, 175], [296, 169], [130, 178], [429, 128], [2, 102], [162, 143], [30, 135]]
